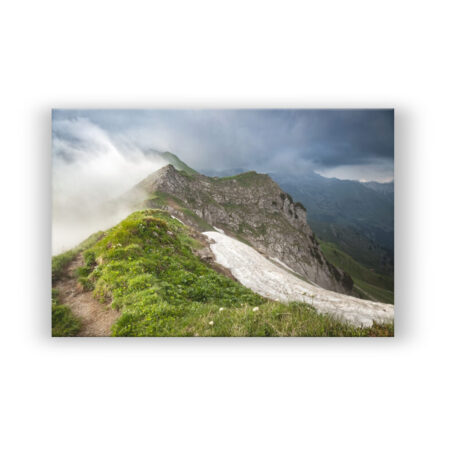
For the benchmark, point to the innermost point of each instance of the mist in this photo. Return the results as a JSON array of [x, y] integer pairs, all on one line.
[[91, 168], [213, 140], [100, 154]]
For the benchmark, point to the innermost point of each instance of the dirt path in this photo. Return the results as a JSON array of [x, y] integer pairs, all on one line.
[[96, 318]]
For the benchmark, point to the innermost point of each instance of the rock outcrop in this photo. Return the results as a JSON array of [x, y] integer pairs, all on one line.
[[248, 206]]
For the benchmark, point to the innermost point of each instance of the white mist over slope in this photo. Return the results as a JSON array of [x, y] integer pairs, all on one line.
[[90, 168]]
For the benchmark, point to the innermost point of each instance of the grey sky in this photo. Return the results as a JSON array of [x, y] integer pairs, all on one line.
[[348, 144]]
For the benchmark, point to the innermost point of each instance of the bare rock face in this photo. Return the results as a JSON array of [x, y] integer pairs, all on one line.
[[250, 207]]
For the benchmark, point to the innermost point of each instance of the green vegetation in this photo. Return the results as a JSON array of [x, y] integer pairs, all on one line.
[[64, 323], [354, 216], [202, 224], [147, 267], [380, 294], [160, 199], [178, 164], [354, 243], [60, 262], [366, 282], [246, 179]]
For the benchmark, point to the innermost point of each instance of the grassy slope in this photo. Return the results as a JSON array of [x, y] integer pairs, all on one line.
[[147, 266], [64, 323], [177, 163], [378, 286], [356, 244], [247, 179]]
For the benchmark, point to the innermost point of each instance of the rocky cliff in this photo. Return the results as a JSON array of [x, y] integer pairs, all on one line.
[[248, 206]]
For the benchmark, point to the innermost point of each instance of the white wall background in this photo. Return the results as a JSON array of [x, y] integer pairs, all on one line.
[[183, 394]]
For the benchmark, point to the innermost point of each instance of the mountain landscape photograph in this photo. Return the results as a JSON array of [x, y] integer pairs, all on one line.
[[199, 223], [225, 225]]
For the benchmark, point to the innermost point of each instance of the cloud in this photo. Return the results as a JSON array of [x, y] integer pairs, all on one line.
[[98, 154], [379, 171], [90, 168], [208, 139]]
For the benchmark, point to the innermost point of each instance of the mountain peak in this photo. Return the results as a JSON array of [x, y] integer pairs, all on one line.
[[249, 206], [169, 168], [172, 159], [167, 177]]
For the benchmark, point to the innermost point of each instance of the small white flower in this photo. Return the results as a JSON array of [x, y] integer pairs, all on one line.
[[277, 299], [221, 309], [212, 322], [255, 308]]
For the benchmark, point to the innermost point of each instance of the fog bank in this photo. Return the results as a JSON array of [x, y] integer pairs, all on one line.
[[89, 169]]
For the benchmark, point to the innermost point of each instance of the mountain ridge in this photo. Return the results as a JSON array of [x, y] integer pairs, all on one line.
[[356, 216], [249, 206], [147, 276]]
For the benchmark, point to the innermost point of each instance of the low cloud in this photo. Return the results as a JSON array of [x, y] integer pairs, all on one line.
[[99, 154], [89, 168]]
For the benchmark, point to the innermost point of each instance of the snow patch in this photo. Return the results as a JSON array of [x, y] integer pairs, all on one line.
[[281, 263], [219, 230], [269, 280]]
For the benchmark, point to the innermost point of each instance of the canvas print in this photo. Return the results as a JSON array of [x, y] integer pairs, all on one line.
[[201, 223]]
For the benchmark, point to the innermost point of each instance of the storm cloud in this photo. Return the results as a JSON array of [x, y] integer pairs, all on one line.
[[100, 154], [287, 140]]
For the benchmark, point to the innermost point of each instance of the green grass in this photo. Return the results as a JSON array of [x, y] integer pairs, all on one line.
[[178, 164], [61, 261], [383, 295], [355, 244], [147, 268], [376, 285], [64, 323], [202, 224], [246, 179], [160, 199]]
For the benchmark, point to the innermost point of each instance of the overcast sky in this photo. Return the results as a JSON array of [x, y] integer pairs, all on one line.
[[347, 144]]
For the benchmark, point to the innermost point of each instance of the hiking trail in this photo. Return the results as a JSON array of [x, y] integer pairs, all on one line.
[[96, 318]]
